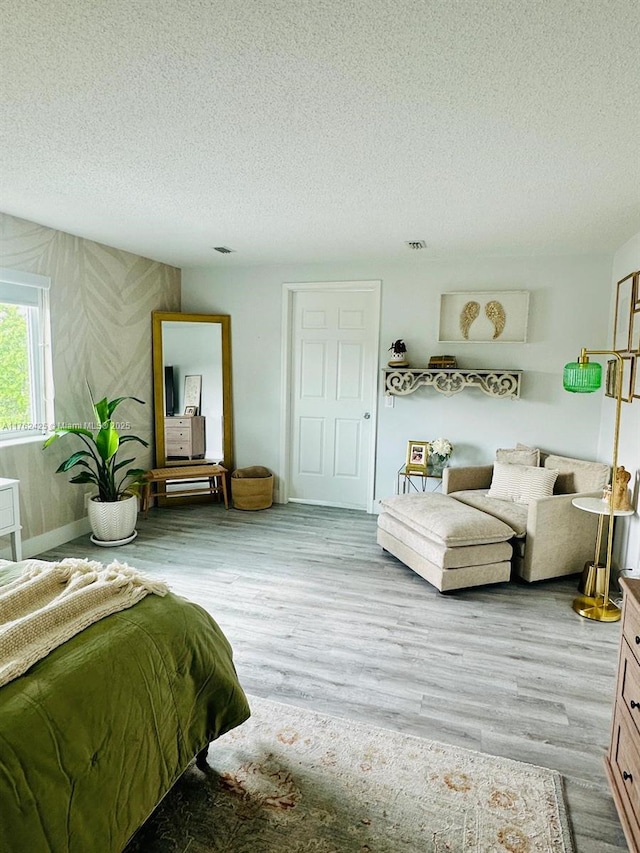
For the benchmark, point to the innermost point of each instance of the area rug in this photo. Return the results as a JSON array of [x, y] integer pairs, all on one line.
[[293, 781]]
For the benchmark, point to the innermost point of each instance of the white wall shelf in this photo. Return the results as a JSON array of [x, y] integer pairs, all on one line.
[[401, 381]]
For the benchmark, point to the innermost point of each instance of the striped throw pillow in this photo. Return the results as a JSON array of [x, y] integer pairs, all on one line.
[[521, 483]]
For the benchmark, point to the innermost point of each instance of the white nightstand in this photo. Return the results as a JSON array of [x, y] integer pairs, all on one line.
[[10, 515]]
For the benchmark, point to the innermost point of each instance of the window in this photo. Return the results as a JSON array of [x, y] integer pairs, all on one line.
[[26, 388]]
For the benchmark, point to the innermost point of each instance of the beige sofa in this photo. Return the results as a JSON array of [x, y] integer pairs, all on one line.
[[451, 545], [551, 537]]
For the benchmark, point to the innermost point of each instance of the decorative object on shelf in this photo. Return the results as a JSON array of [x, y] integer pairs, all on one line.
[[469, 313], [487, 317], [417, 457], [503, 384], [398, 350], [497, 315], [585, 377], [444, 362], [192, 394], [440, 451], [116, 507]]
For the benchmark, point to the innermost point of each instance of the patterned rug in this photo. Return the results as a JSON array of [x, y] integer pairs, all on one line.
[[293, 781]]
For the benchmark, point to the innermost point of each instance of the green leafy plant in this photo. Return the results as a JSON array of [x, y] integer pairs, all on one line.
[[99, 461], [15, 405]]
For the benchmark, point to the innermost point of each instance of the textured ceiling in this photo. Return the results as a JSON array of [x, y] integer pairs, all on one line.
[[314, 130]]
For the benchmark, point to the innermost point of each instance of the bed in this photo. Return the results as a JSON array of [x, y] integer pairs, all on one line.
[[95, 734]]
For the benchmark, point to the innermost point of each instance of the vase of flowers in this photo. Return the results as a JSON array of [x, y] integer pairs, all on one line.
[[440, 451]]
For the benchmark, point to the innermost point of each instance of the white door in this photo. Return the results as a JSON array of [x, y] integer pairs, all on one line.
[[332, 395]]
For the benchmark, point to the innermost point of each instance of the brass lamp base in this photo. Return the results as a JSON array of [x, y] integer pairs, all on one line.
[[592, 581], [597, 609]]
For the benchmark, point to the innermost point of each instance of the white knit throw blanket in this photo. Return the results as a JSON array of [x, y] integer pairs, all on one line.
[[51, 602]]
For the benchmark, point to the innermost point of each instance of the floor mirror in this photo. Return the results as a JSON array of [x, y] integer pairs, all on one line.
[[192, 389]]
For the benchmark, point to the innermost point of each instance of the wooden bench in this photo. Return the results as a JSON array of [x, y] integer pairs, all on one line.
[[212, 480]]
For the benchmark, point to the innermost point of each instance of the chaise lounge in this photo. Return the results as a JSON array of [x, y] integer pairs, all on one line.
[[492, 521]]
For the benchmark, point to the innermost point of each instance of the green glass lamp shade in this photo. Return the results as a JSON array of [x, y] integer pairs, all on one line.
[[582, 377]]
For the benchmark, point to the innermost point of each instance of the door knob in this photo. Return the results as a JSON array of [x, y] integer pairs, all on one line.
[[367, 415]]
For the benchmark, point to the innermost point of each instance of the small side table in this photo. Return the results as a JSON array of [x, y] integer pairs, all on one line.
[[595, 578], [406, 484], [10, 515]]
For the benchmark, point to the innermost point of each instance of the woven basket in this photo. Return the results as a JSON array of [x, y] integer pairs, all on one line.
[[252, 492]]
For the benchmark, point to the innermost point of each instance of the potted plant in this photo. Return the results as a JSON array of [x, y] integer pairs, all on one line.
[[398, 350], [114, 510]]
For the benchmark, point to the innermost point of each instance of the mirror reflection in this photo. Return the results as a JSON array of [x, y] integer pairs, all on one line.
[[192, 389], [192, 356]]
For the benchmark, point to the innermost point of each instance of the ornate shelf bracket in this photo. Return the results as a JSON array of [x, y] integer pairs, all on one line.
[[494, 383]]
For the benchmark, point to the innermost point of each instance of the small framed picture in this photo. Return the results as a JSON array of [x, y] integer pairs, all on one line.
[[629, 367], [634, 345], [190, 411], [623, 323], [417, 456]]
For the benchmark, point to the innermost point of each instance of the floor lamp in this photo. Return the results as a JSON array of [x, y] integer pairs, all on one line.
[[584, 377]]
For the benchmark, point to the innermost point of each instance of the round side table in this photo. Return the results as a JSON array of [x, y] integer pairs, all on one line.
[[595, 578]]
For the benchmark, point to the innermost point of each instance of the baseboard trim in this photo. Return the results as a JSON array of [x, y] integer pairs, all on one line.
[[52, 539]]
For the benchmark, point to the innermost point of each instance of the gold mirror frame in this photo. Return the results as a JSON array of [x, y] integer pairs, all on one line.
[[224, 321]]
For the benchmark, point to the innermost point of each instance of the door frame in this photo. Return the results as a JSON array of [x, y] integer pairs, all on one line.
[[289, 290]]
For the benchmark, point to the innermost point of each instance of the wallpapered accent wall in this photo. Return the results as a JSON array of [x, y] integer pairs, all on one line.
[[101, 302]]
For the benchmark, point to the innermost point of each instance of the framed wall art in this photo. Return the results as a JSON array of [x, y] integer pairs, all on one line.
[[629, 368], [491, 317], [417, 457], [624, 316], [634, 332], [192, 393]]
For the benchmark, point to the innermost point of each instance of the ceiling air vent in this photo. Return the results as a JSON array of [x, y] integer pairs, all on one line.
[[224, 250], [416, 244]]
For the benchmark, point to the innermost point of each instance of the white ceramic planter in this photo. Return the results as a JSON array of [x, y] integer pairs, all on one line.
[[114, 522], [398, 359]]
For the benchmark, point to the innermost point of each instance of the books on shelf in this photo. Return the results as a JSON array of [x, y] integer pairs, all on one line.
[[442, 361]]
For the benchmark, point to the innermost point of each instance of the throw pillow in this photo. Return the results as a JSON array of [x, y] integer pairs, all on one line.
[[537, 483], [521, 483], [519, 455]]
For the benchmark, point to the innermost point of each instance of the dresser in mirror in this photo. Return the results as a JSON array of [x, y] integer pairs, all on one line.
[[192, 389]]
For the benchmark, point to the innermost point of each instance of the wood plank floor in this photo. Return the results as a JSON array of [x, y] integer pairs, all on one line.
[[320, 617]]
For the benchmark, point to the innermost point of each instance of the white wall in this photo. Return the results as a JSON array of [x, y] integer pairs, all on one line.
[[101, 303], [627, 541], [570, 299]]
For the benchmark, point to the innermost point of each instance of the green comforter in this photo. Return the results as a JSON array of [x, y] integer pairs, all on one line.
[[94, 735]]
